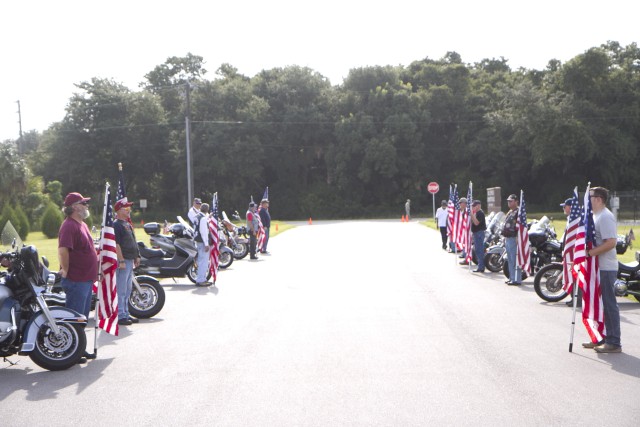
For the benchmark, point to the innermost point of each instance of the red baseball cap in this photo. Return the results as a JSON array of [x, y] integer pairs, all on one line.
[[122, 204], [73, 198]]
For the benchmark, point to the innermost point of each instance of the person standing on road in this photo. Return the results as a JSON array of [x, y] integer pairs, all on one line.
[[510, 232], [605, 250], [478, 228], [202, 244], [128, 259], [252, 226], [265, 218], [78, 257], [193, 212], [407, 209], [442, 216]]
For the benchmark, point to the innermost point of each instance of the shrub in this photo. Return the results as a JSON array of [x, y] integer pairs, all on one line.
[[8, 214], [51, 220], [22, 224]]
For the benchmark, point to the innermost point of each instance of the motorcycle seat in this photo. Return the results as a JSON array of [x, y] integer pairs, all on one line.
[[631, 267], [151, 253]]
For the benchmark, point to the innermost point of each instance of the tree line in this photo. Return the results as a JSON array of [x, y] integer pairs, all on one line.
[[357, 149]]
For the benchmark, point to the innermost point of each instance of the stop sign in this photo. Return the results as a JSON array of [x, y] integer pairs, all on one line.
[[433, 187]]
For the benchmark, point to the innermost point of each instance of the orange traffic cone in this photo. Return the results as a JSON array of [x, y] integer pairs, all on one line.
[[310, 222], [402, 219], [276, 227]]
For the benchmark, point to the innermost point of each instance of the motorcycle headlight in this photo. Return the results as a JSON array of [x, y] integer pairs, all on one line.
[[620, 287]]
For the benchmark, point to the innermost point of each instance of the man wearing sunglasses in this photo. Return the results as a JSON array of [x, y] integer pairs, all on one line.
[[77, 255]]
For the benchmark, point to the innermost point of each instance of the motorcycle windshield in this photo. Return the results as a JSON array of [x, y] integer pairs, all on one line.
[[9, 238]]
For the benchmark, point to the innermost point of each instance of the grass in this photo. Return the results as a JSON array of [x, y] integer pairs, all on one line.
[[49, 247]]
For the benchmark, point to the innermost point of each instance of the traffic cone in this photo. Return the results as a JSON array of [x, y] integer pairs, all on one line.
[[276, 227], [402, 219], [310, 222]]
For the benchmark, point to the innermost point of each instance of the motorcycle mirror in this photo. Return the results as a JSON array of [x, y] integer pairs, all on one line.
[[45, 261]]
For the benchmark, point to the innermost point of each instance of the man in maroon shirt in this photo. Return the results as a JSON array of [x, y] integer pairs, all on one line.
[[77, 255]]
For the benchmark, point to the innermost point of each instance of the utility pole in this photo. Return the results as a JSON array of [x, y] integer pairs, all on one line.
[[20, 127], [187, 120]]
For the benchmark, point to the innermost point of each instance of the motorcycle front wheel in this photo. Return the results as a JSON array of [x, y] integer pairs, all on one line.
[[493, 262], [548, 283], [241, 250], [225, 260], [149, 301], [192, 273], [56, 353]]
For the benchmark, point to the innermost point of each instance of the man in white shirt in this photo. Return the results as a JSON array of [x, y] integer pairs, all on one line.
[[193, 211], [442, 216]]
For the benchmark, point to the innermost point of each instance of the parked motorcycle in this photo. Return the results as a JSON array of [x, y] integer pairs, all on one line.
[[548, 280], [53, 337], [177, 254], [494, 242], [545, 247], [237, 237]]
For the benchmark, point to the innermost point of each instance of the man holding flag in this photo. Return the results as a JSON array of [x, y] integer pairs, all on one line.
[[510, 233], [606, 237]]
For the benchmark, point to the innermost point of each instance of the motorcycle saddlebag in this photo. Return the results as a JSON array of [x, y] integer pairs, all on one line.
[[152, 228]]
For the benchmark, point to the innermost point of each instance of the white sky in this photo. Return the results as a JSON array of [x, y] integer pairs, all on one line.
[[47, 46]]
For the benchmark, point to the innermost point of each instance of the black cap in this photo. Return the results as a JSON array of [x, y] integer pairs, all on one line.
[[476, 202], [567, 202], [512, 197]]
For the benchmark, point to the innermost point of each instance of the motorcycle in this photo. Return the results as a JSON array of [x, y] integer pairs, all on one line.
[[237, 237], [548, 280], [545, 247], [177, 254], [53, 337], [494, 242]]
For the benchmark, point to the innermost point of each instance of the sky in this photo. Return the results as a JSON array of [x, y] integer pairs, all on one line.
[[47, 47]]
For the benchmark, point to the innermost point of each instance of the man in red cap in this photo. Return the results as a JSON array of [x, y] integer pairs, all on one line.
[[77, 255], [128, 259]]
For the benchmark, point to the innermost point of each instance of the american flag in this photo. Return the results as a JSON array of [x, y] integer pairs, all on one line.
[[465, 229], [214, 254], [107, 310], [451, 211], [569, 242], [524, 249], [121, 195], [588, 273]]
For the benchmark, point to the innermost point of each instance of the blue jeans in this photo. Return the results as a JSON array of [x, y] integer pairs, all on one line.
[[266, 239], [478, 244], [611, 310], [124, 285], [511, 245], [203, 262], [78, 296]]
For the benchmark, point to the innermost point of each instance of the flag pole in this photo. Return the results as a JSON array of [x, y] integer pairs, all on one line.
[[574, 295], [99, 294], [574, 290]]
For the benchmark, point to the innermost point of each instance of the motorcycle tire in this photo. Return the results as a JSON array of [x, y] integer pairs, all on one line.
[[147, 303], [493, 262], [505, 271], [241, 250], [192, 273], [225, 259], [62, 352], [548, 283]]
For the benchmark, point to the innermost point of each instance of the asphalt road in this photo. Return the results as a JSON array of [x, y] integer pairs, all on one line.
[[365, 323]]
